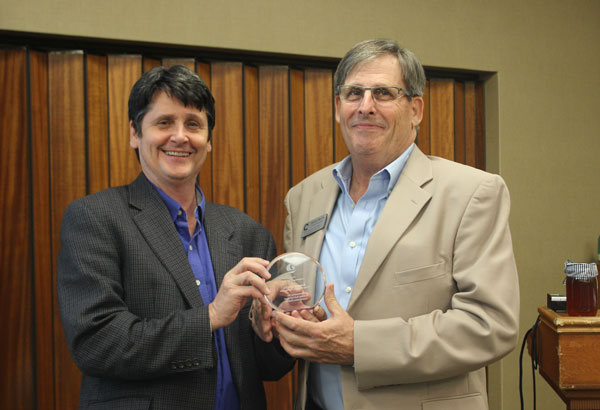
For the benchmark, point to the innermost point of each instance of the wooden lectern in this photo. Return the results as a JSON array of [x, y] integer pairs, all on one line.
[[569, 357]]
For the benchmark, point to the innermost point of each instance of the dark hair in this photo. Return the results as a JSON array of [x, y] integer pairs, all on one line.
[[177, 82], [413, 74]]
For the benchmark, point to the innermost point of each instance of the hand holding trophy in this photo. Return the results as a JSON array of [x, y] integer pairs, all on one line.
[[293, 285]]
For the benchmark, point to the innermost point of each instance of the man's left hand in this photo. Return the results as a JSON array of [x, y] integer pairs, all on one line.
[[328, 341]]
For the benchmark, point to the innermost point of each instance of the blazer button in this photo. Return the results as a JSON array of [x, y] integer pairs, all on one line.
[[173, 366], [196, 363]]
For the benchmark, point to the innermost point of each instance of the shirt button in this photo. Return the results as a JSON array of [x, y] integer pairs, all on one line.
[[352, 244], [348, 289], [197, 282], [191, 248]]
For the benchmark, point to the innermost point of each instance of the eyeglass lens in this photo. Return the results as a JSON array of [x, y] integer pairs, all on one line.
[[355, 93]]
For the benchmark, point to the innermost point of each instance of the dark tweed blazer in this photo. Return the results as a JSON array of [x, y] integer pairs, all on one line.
[[133, 318]]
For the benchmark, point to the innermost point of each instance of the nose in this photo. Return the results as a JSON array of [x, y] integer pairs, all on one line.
[[179, 135], [367, 104]]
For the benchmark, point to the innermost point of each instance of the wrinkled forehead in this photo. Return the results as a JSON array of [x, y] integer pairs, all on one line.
[[382, 65]]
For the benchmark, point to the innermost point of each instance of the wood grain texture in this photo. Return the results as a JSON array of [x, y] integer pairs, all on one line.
[[17, 344], [206, 174], [470, 124], [424, 134], [150, 63], [297, 126], [68, 182], [97, 123], [228, 135], [318, 103], [479, 126], [123, 72], [188, 62], [274, 147], [42, 236], [251, 144], [441, 99], [459, 122], [341, 149]]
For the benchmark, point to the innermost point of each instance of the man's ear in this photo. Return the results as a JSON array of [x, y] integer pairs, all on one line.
[[134, 139], [337, 108], [417, 106]]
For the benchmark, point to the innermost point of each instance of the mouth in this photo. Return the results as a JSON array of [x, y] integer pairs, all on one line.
[[177, 153]]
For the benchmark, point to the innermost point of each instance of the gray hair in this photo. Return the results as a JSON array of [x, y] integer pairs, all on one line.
[[413, 74]]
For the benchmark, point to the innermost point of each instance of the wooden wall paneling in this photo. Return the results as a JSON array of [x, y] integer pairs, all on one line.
[[442, 118], [16, 345], [459, 122], [97, 123], [274, 146], [251, 151], [274, 182], [470, 124], [341, 150], [424, 133], [318, 102], [228, 135], [479, 126], [149, 63], [188, 62], [68, 182], [123, 72], [297, 129], [206, 174], [42, 234]]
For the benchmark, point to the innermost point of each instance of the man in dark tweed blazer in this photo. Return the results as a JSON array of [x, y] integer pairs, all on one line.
[[154, 281]]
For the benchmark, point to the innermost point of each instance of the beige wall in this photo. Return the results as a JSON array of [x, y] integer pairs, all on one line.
[[542, 110]]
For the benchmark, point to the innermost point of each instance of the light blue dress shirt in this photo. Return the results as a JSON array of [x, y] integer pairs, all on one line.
[[342, 253]]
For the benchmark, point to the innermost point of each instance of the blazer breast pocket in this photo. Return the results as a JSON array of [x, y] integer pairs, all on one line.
[[122, 403], [419, 274], [469, 402]]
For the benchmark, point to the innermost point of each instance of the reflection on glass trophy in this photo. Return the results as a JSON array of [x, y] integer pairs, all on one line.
[[294, 276]]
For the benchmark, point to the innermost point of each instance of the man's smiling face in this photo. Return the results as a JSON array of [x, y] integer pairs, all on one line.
[[172, 143]]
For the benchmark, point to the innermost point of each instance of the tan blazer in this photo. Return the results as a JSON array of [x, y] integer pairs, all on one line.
[[436, 298]]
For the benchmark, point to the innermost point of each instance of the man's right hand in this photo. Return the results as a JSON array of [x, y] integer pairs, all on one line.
[[245, 280]]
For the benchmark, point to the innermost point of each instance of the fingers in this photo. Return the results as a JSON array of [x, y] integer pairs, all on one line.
[[256, 265], [260, 322], [331, 302]]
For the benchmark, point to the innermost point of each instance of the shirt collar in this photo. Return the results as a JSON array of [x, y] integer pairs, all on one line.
[[343, 171], [173, 206]]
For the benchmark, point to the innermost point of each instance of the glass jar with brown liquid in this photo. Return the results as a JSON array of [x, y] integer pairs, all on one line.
[[582, 289]]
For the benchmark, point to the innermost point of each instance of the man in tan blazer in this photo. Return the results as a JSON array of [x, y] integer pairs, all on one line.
[[422, 287]]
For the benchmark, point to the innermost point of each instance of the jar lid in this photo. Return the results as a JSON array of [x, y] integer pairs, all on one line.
[[580, 270]]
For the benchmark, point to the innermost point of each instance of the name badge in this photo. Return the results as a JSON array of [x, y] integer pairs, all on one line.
[[314, 225]]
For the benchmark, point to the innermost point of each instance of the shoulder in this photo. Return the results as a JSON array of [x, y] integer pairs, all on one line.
[[460, 175], [219, 214], [457, 184], [314, 182], [108, 200]]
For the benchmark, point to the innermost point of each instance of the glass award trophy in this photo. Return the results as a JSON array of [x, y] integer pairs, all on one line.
[[292, 286]]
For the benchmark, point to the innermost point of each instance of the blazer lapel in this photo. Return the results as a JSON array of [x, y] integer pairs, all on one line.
[[156, 225], [322, 202], [402, 207], [224, 253]]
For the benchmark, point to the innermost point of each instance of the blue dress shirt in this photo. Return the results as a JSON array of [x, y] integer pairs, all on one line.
[[198, 254], [342, 253]]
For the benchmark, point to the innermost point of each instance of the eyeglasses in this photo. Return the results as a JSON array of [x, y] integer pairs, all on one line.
[[382, 94]]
